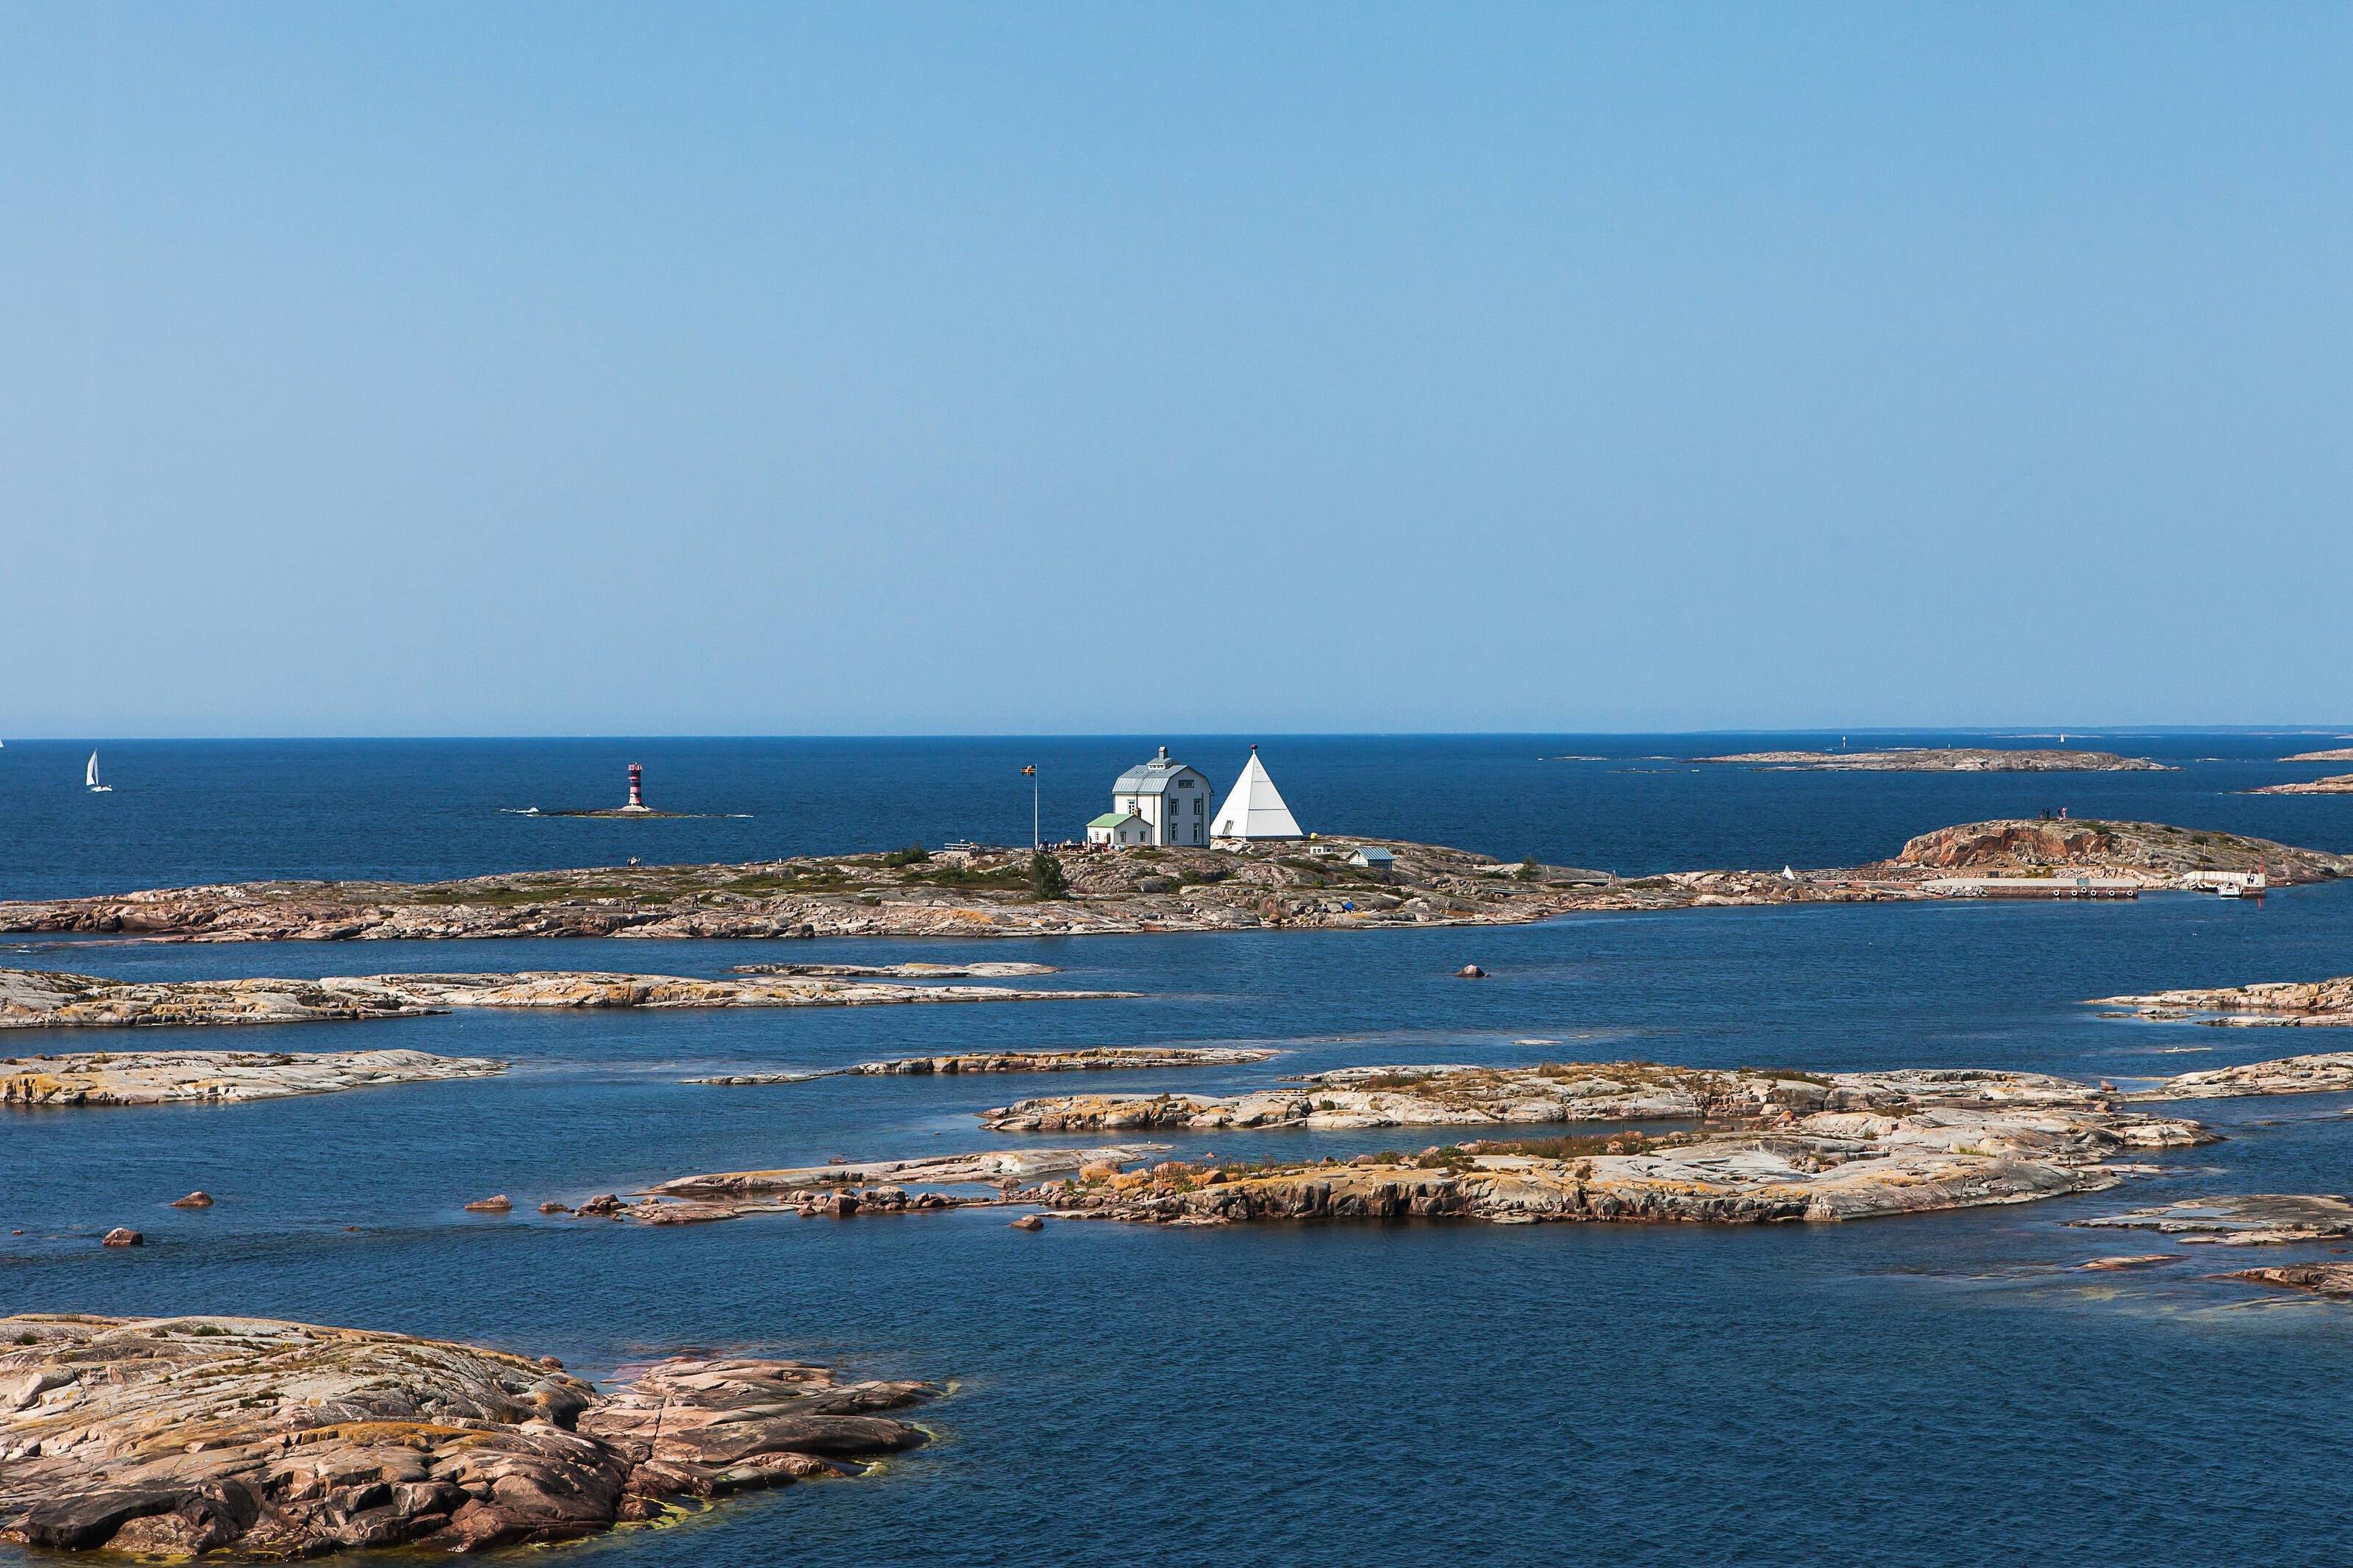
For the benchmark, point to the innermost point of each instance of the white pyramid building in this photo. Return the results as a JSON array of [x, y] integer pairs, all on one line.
[[1254, 807]]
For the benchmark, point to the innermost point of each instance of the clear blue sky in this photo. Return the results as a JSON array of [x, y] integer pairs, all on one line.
[[417, 368]]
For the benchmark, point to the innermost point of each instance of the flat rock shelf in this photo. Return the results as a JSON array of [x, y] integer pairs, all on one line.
[[1093, 1059], [39, 999], [2283, 1002], [172, 1077]]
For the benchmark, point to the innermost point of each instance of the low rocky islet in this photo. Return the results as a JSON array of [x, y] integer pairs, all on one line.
[[1947, 760], [48, 999], [1091, 1058]]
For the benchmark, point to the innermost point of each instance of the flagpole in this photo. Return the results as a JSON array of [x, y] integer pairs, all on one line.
[[1036, 839]]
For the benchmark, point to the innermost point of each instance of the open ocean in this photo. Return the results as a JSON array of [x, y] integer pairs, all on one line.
[[1929, 1390]]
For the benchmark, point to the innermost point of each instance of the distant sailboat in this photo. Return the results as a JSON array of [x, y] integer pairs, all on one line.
[[89, 777]]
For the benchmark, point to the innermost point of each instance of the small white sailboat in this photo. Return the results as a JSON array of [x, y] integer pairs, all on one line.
[[89, 777]]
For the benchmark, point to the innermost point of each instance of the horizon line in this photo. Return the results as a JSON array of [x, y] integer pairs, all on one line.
[[2012, 732]]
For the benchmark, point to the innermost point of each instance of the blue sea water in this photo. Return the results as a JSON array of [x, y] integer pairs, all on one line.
[[1928, 1390]]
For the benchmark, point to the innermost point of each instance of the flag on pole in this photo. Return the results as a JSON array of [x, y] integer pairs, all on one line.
[[1031, 770]]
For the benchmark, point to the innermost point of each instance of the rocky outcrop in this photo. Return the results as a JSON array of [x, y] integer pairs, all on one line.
[[2333, 1279], [164, 1077], [47, 999], [2147, 848], [2320, 1001], [42, 999], [2338, 754], [1948, 760], [845, 1188], [2240, 1219], [1830, 1165], [1458, 1096], [1771, 1146], [2325, 1073], [988, 892], [2335, 784], [173, 1436], [1568, 1092], [1093, 1059]]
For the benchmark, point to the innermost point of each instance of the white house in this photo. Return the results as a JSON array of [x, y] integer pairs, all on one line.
[[1119, 829], [1171, 800], [1254, 809]]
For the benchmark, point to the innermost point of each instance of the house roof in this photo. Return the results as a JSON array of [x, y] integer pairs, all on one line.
[[1372, 855], [1254, 807], [1153, 777], [1112, 819]]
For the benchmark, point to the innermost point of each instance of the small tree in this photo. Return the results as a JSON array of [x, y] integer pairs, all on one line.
[[1529, 871], [1045, 878]]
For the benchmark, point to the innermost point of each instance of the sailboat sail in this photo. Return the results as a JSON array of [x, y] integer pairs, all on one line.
[[90, 777]]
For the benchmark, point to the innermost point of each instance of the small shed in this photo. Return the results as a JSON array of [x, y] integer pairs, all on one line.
[[1373, 858], [1119, 830]]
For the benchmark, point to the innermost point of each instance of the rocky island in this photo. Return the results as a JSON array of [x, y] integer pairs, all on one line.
[[216, 1077], [991, 892], [2240, 1219], [48, 999], [1549, 1093], [1771, 1146], [2339, 754], [173, 1436], [846, 1188], [1824, 1167], [2289, 1003], [2338, 784], [1090, 1059], [1455, 1096], [1947, 760]]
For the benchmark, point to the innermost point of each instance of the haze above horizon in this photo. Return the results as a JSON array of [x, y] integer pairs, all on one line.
[[546, 370]]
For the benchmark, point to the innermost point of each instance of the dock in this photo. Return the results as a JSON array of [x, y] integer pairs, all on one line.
[[2064, 887]]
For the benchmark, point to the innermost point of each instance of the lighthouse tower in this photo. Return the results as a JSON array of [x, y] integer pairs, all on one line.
[[636, 787]]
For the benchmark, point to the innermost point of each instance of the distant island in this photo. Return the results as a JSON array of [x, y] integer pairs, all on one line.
[[1327, 883], [2341, 755], [1946, 760], [2338, 784]]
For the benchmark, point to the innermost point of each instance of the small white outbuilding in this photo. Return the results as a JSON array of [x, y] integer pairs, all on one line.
[[1119, 829], [1254, 809]]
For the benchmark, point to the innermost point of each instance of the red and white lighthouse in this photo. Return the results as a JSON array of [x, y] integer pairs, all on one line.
[[636, 787]]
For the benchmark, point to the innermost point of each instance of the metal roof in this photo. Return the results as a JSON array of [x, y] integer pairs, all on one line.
[[1153, 777]]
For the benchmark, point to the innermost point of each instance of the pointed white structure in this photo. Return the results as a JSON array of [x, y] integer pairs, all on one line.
[[1254, 809]]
